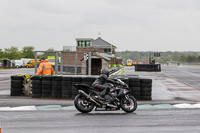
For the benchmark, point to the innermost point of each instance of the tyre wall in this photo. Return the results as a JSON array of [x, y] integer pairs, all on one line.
[[47, 87], [63, 86], [135, 86], [66, 87], [17, 86], [146, 89], [36, 87], [148, 67], [56, 87], [75, 80]]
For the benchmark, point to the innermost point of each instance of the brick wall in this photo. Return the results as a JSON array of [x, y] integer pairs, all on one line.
[[115, 61], [87, 49], [101, 50], [68, 58], [119, 61]]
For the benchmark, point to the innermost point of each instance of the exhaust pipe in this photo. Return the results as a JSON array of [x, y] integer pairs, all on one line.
[[88, 97], [110, 105]]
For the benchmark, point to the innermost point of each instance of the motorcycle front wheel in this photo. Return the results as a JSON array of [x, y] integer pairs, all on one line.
[[82, 104], [128, 104]]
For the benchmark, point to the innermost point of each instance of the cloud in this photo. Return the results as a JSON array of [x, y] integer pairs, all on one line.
[[129, 24]]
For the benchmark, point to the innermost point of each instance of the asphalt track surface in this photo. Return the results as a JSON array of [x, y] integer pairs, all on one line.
[[173, 84], [187, 74], [141, 121], [165, 90]]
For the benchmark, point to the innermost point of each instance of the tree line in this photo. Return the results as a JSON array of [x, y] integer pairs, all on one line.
[[13, 53], [169, 56]]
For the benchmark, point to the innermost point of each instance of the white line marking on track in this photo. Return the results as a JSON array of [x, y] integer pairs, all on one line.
[[184, 105], [32, 108], [24, 108], [4, 108], [197, 105]]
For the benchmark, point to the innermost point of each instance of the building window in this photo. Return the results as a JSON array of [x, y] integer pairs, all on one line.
[[81, 44], [107, 50], [84, 43], [87, 43]]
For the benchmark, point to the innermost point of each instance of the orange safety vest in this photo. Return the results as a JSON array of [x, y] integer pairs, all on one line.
[[45, 68]]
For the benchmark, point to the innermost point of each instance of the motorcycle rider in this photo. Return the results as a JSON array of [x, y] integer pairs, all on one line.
[[101, 83]]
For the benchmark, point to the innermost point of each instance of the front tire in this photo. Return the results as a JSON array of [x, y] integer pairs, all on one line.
[[128, 105], [82, 104]]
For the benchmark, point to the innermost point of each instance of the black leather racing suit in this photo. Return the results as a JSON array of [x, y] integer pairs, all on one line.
[[100, 84]]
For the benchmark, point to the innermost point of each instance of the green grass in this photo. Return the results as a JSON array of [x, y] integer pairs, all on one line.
[[193, 65], [196, 65], [7, 68]]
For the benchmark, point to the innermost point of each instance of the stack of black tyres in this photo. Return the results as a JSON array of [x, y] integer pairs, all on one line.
[[88, 80], [134, 85], [66, 87], [75, 80], [56, 87], [125, 79], [121, 77], [117, 76], [36, 87], [146, 89], [17, 85], [46, 87]]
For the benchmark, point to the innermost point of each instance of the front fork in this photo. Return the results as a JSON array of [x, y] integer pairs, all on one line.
[[127, 99]]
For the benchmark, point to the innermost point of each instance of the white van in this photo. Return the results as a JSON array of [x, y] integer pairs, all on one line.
[[18, 63]]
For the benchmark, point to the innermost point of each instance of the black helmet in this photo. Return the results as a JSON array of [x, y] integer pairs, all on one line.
[[42, 59], [105, 71]]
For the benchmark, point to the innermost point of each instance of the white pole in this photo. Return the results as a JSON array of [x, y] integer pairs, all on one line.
[[111, 48]]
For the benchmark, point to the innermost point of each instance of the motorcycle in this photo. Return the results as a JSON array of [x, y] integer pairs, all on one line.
[[118, 97]]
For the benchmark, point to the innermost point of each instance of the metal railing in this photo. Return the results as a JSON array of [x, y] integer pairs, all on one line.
[[61, 62]]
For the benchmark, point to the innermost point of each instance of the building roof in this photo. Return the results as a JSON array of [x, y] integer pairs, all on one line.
[[83, 39], [107, 55], [98, 55], [102, 43]]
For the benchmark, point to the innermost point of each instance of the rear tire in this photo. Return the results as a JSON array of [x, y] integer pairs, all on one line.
[[128, 106], [82, 104]]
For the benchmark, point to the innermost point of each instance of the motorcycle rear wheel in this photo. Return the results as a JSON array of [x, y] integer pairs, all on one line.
[[128, 105], [82, 104]]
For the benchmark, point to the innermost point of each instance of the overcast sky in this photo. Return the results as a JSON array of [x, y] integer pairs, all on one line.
[[135, 25]]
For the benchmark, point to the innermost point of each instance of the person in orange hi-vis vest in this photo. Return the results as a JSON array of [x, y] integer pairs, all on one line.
[[45, 68]]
